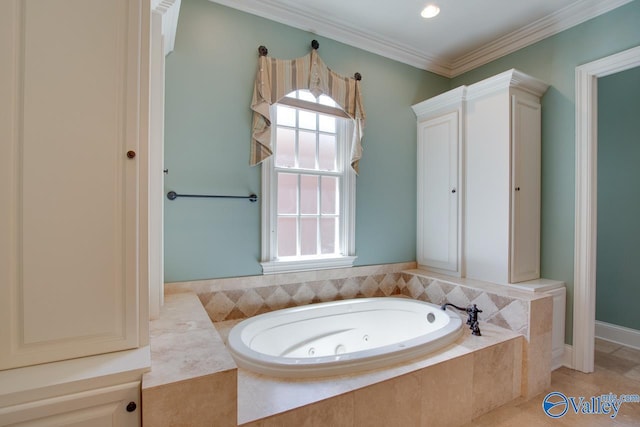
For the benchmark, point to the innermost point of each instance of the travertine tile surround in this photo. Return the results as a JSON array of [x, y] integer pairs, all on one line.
[[193, 379], [242, 297], [526, 313], [447, 388]]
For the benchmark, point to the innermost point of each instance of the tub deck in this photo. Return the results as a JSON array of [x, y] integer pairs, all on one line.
[[195, 382], [272, 400]]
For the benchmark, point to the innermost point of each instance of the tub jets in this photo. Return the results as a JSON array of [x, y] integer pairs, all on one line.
[[472, 310]]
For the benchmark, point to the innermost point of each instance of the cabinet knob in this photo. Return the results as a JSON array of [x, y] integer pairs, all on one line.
[[131, 406], [517, 188], [453, 191], [131, 154]]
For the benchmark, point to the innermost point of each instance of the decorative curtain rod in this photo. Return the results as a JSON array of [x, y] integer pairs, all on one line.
[[263, 51]]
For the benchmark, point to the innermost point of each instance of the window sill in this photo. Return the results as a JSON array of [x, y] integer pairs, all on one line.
[[306, 264]]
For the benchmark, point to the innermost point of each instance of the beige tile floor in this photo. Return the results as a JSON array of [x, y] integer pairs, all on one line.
[[617, 371]]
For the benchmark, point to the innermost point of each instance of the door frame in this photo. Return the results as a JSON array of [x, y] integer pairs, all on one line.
[[584, 281]]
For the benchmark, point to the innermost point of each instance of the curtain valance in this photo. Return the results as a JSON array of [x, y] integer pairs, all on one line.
[[276, 78]]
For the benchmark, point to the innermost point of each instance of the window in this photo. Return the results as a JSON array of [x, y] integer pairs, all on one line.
[[308, 187]]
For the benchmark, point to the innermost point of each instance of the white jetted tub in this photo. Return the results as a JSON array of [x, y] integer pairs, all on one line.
[[341, 336]]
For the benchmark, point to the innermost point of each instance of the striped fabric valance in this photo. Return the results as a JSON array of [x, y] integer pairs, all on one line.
[[278, 77]]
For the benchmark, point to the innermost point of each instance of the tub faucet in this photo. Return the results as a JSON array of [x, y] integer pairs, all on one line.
[[472, 310]]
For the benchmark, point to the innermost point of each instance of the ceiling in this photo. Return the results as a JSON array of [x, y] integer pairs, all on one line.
[[465, 35]]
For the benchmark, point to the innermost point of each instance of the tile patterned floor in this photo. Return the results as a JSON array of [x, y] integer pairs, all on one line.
[[617, 370]]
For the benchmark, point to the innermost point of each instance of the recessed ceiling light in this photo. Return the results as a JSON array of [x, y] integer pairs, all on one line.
[[430, 11]]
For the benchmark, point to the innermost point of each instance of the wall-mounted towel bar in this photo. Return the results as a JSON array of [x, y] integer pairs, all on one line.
[[172, 195]]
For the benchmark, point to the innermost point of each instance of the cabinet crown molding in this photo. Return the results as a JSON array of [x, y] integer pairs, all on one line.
[[169, 10], [508, 79], [447, 99]]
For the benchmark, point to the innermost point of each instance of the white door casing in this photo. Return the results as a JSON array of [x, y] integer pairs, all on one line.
[[584, 276]]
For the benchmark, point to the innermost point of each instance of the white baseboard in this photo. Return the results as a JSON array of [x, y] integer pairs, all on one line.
[[618, 334], [563, 359]]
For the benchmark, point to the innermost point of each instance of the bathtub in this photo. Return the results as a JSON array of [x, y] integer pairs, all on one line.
[[341, 337]]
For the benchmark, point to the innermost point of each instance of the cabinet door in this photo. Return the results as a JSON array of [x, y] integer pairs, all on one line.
[[70, 112], [116, 406], [525, 200], [438, 192]]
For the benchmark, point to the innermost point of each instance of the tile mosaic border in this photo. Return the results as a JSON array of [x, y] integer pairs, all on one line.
[[242, 297]]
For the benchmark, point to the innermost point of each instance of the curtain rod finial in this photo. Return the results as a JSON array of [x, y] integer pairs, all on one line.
[[357, 76], [315, 44], [262, 51]]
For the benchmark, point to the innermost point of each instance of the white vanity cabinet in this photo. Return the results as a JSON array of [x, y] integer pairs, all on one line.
[[440, 189], [502, 176]]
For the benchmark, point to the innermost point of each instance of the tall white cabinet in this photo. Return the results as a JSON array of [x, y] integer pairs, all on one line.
[[483, 142], [73, 132], [502, 217], [74, 232], [440, 182]]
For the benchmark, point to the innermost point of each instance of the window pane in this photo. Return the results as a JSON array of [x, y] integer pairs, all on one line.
[[287, 237], [327, 123], [329, 203], [309, 194], [328, 235], [287, 193], [286, 116], [327, 100], [285, 148], [307, 120], [307, 150], [292, 94], [308, 236], [327, 152], [307, 96]]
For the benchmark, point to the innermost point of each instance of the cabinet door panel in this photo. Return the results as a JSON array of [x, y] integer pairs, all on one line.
[[438, 192], [525, 210], [69, 230]]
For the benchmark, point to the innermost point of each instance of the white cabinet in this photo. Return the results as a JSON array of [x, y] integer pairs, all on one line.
[[483, 142], [439, 169], [73, 152], [502, 167], [115, 406]]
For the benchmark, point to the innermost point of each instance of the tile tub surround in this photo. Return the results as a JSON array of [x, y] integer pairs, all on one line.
[[447, 388], [528, 313], [241, 297], [505, 306], [193, 379]]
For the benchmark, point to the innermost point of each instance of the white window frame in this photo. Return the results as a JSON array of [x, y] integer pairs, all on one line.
[[271, 264]]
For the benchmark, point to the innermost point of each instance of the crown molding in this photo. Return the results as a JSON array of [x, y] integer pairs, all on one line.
[[344, 32], [454, 97], [565, 18], [339, 31], [508, 79], [169, 10]]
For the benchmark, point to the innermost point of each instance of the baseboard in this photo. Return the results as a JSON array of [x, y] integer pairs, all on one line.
[[563, 359], [618, 334]]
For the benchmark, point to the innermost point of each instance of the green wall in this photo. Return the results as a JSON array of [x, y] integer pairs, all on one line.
[[617, 284], [209, 83], [554, 60]]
